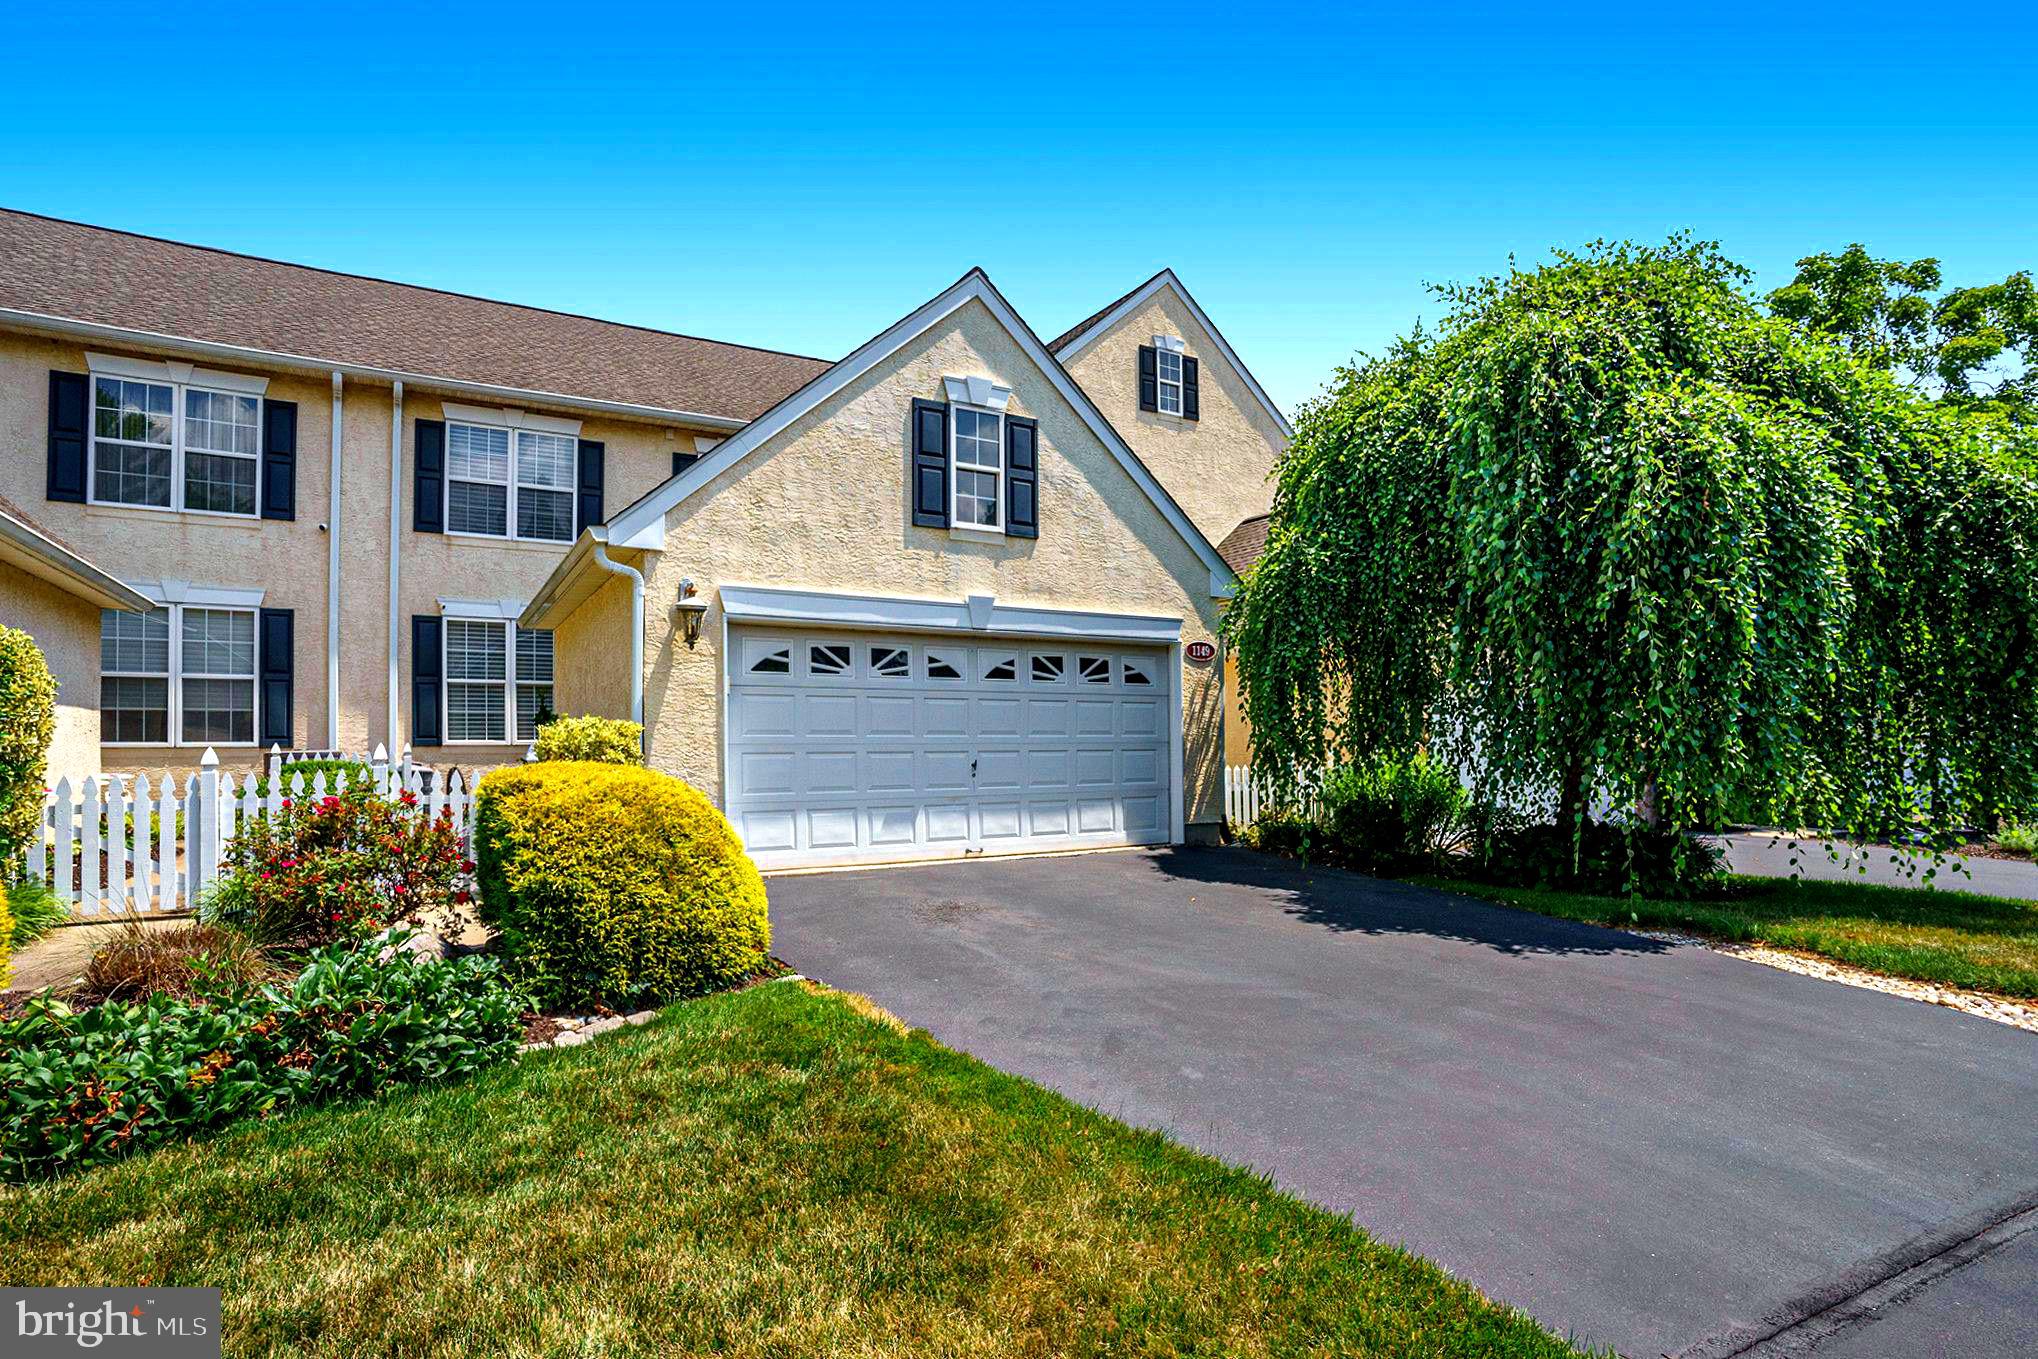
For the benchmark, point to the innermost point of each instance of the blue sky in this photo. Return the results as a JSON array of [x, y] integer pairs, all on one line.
[[798, 178]]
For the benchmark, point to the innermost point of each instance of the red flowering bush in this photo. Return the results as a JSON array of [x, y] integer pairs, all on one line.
[[338, 867]]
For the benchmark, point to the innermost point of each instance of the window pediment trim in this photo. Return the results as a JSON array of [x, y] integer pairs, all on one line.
[[977, 391], [174, 370], [509, 417], [169, 591]]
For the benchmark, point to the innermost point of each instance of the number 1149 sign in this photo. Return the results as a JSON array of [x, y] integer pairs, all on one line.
[[1200, 651]]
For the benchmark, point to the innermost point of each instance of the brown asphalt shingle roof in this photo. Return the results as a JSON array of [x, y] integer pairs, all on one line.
[[1243, 545], [87, 273], [1054, 345]]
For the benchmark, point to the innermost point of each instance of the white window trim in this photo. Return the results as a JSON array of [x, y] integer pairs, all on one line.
[[180, 378], [1162, 385], [956, 466], [497, 420], [509, 417], [200, 597], [503, 613]]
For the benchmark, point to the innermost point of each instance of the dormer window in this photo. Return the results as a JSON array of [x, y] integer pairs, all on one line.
[[1168, 380]]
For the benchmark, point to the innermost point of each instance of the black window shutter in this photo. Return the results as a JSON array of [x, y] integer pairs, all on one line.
[[428, 488], [590, 501], [1149, 379], [930, 464], [682, 461], [1022, 477], [70, 408], [279, 674], [1191, 406], [279, 460], [427, 668]]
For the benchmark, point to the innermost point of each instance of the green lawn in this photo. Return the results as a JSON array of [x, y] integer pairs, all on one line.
[[1954, 938], [780, 1171]]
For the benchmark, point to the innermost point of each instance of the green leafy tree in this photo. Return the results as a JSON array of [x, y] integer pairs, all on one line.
[[1975, 347], [1615, 531]]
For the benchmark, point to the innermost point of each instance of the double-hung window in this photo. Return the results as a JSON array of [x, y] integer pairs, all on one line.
[[179, 675], [979, 464], [1168, 366], [494, 686], [174, 446], [510, 483]]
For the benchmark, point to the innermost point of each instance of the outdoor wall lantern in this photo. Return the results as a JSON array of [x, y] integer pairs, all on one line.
[[691, 611]]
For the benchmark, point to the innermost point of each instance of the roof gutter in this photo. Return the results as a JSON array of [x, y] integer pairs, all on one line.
[[83, 578], [213, 349]]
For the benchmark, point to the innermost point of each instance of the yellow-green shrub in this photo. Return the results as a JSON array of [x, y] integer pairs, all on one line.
[[609, 740], [6, 937], [616, 885], [28, 722]]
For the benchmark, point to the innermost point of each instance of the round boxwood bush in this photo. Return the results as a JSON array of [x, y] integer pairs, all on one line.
[[615, 885], [28, 722]]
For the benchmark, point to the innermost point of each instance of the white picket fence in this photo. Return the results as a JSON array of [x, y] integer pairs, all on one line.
[[1246, 795], [114, 844]]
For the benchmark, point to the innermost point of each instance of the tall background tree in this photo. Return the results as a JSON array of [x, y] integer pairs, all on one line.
[[1973, 347], [1616, 532]]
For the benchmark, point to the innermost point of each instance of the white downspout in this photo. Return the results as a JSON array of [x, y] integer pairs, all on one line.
[[333, 584], [616, 568], [395, 544]]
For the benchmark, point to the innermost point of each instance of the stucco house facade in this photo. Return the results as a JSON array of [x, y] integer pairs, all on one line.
[[951, 594]]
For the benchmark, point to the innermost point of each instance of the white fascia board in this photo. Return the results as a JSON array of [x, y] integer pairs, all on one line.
[[978, 614], [643, 524], [27, 548], [576, 576], [239, 353], [1166, 279]]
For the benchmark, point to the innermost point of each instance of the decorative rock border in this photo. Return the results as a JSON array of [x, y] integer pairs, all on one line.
[[577, 1029], [2017, 1014]]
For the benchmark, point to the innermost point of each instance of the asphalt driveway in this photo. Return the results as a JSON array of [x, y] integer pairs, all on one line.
[[1649, 1147]]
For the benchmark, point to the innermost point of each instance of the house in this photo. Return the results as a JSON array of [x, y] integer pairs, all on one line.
[[952, 593]]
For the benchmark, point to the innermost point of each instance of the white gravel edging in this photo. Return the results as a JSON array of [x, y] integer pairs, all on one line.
[[578, 1029], [2002, 1010]]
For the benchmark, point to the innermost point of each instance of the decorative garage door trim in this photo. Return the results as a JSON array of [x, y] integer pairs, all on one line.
[[976, 613]]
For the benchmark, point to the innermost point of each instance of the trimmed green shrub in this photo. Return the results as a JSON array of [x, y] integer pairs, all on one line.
[[6, 940], [2019, 839], [608, 740], [329, 867], [339, 774], [81, 1088], [1385, 814], [614, 885], [28, 722]]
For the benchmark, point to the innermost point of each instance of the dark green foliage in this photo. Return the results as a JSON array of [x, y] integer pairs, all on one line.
[[1600, 858], [1613, 533], [28, 722], [1387, 815], [83, 1088]]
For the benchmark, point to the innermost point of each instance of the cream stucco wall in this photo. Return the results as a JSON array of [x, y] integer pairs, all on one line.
[[288, 559], [1217, 466], [824, 505], [66, 628], [591, 654]]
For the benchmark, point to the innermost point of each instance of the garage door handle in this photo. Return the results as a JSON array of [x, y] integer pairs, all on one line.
[[972, 768]]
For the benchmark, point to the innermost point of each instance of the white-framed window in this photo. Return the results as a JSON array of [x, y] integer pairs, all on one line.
[[510, 483], [494, 687], [1168, 365], [168, 445], [978, 444], [178, 675]]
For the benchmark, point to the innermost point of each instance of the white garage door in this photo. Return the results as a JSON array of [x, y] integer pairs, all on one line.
[[850, 747]]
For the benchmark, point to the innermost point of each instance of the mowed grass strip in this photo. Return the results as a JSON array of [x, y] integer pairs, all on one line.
[[1961, 939], [781, 1171]]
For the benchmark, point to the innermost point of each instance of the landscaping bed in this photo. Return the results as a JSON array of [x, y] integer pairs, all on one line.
[[782, 1170]]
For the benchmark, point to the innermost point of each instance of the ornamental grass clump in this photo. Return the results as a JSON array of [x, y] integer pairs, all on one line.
[[339, 866], [615, 885]]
